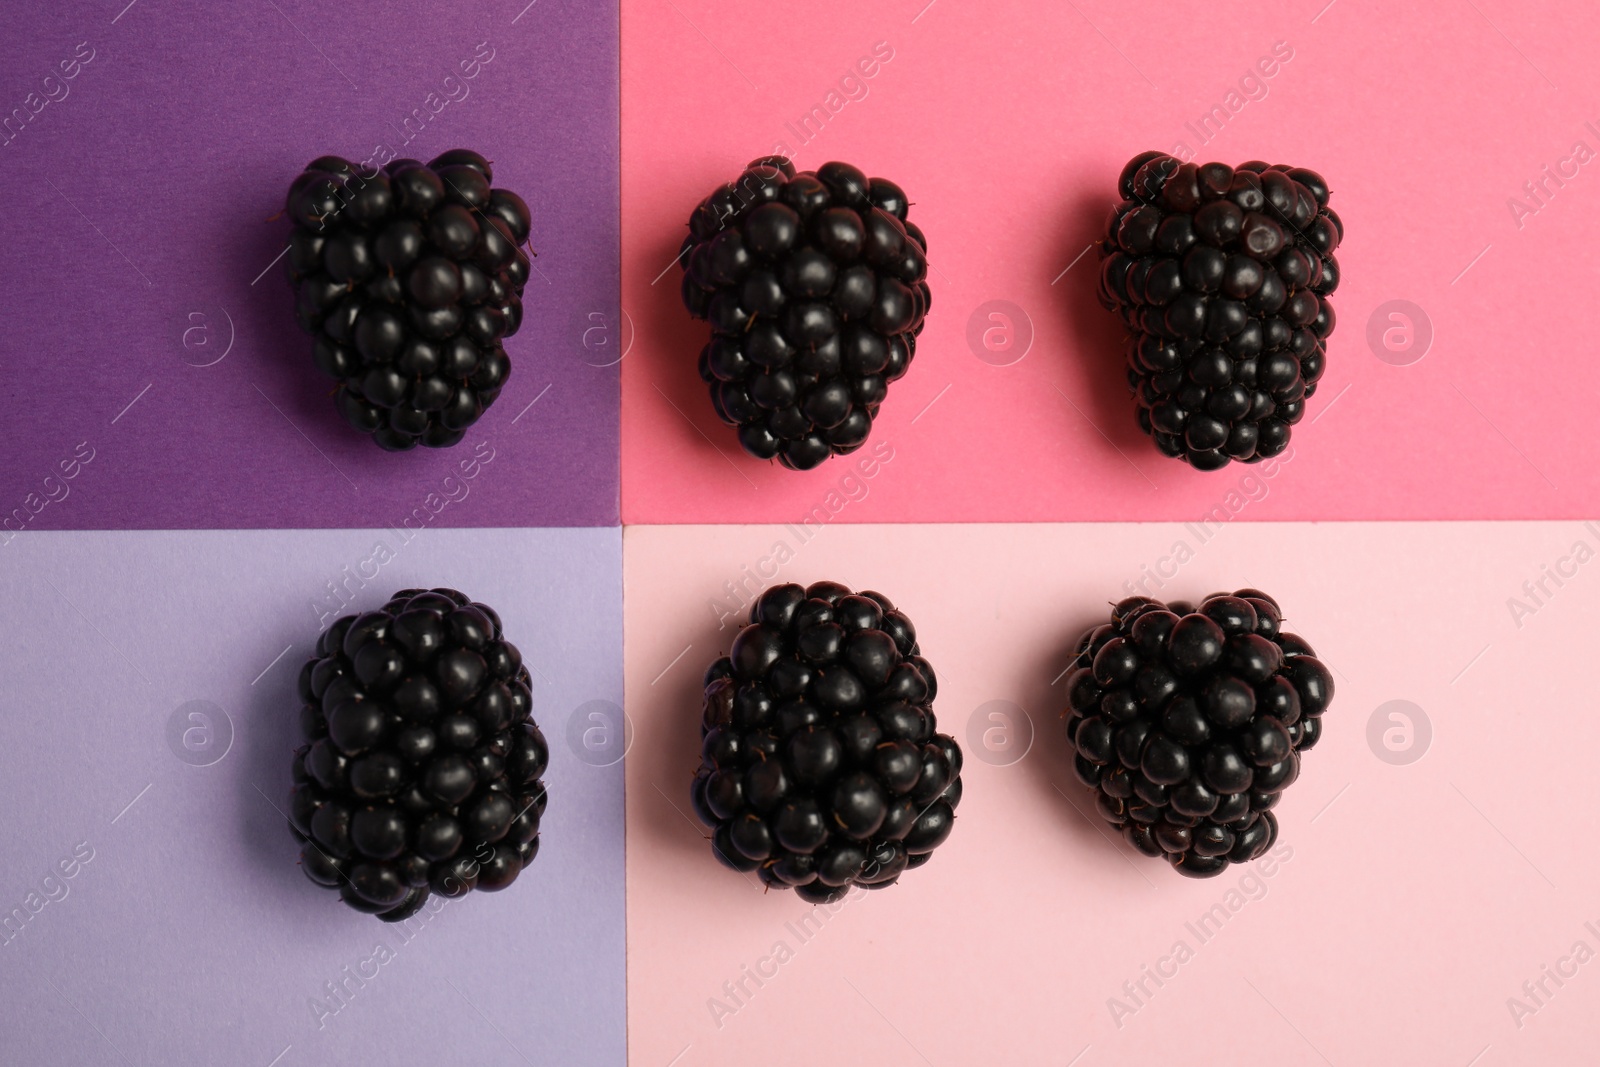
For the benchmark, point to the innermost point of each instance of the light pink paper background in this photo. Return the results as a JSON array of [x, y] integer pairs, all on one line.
[[1007, 125], [1417, 899]]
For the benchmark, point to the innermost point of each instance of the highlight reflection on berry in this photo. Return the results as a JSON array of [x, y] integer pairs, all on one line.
[[422, 766], [816, 288], [821, 762], [409, 278], [1188, 723], [1222, 277]]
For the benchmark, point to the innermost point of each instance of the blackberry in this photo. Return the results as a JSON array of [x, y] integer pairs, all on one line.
[[816, 288], [821, 765], [409, 278], [422, 764], [1222, 277], [1189, 723]]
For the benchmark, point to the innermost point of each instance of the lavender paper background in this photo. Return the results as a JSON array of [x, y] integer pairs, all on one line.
[[192, 937], [138, 218]]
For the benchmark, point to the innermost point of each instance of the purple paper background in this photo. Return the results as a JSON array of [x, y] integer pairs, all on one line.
[[192, 937], [144, 198]]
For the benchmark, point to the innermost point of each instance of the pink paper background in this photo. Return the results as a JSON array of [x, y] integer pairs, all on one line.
[[1417, 899], [1008, 123]]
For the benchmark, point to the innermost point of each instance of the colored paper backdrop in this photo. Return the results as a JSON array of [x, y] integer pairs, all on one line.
[[190, 935], [1450, 135], [1431, 859], [146, 320]]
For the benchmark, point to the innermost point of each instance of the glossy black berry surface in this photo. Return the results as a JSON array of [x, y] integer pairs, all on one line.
[[421, 771], [815, 286], [821, 762], [409, 278], [1188, 723], [1222, 277]]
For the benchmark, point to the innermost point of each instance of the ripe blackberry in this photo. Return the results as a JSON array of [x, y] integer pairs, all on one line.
[[422, 766], [815, 286], [1189, 723], [409, 278], [1222, 277], [821, 767]]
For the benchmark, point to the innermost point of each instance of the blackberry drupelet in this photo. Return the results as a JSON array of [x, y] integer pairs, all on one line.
[[409, 278], [1222, 277], [816, 288], [821, 764], [1189, 724], [422, 764]]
